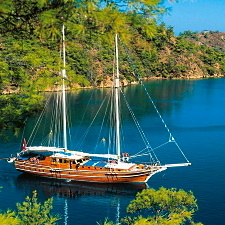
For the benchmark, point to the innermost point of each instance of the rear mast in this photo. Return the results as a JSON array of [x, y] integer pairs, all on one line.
[[117, 85], [64, 90]]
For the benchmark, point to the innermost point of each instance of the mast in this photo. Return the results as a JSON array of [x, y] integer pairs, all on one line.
[[117, 85], [63, 90]]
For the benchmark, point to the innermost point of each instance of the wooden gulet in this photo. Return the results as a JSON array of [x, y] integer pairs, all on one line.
[[75, 166], [61, 163]]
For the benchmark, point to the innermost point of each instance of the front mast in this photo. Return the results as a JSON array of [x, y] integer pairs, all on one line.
[[63, 90], [117, 85]]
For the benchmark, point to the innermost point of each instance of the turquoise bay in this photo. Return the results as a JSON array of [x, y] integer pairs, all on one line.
[[194, 110]]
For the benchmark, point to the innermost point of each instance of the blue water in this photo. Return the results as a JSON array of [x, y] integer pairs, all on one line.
[[195, 113]]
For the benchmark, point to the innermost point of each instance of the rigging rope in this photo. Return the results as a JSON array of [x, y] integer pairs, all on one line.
[[89, 127], [82, 119], [171, 138], [103, 120], [138, 154], [144, 138], [35, 129]]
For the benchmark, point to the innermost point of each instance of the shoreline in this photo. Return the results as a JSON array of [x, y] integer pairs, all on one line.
[[108, 84]]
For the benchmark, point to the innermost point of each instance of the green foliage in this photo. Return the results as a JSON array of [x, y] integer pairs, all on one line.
[[163, 207], [15, 108], [107, 222], [30, 212], [183, 46], [9, 218], [163, 201], [190, 34], [167, 206], [34, 213], [31, 39]]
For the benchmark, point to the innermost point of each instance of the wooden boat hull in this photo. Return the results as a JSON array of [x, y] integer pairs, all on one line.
[[99, 175]]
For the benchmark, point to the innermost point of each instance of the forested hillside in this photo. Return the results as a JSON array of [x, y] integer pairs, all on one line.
[[30, 49], [212, 39]]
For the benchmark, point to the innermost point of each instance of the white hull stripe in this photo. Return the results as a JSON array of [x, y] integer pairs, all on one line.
[[54, 170]]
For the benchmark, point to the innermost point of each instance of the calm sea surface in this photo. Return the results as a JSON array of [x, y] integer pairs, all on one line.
[[195, 113]]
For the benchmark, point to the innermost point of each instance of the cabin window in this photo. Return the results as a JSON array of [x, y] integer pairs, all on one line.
[[60, 160], [53, 159], [42, 157], [64, 161]]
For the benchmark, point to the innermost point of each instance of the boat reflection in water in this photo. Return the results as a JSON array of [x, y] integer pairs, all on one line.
[[75, 201], [73, 189]]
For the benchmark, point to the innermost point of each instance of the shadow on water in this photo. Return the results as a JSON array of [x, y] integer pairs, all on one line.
[[72, 189]]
